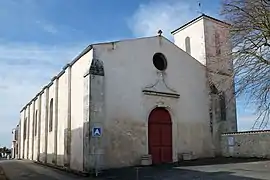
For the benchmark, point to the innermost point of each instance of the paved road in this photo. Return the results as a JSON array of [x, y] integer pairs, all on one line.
[[235, 171], [20, 170]]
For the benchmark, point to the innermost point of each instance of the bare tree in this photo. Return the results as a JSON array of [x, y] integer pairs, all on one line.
[[250, 39]]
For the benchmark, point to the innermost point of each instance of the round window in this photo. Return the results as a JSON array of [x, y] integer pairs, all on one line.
[[160, 61]]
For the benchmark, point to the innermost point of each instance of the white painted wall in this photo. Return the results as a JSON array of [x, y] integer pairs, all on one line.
[[50, 150], [21, 133], [42, 128], [36, 135], [31, 130], [27, 129], [128, 69], [78, 70], [62, 116], [197, 39], [203, 44]]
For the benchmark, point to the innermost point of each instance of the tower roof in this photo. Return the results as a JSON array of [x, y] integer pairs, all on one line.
[[197, 19]]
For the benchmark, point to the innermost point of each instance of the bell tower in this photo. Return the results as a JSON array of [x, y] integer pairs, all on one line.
[[207, 40]]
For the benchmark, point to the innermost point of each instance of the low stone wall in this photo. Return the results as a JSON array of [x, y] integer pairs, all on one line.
[[246, 144]]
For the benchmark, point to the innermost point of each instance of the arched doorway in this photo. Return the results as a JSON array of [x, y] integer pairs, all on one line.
[[160, 136]]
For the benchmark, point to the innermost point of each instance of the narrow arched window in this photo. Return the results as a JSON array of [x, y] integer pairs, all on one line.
[[36, 122], [222, 101], [51, 116], [187, 44], [24, 128]]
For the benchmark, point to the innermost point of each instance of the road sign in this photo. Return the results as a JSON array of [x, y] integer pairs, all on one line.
[[96, 132]]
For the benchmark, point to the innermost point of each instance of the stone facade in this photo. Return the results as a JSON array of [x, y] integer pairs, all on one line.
[[115, 86], [56, 146], [246, 144], [208, 39], [127, 108]]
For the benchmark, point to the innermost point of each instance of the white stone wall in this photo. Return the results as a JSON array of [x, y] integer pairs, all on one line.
[[246, 144], [21, 133], [62, 116], [26, 143], [128, 70], [197, 40], [203, 42], [30, 146], [202, 35], [31, 120], [35, 152], [43, 133], [78, 70], [50, 150], [223, 63]]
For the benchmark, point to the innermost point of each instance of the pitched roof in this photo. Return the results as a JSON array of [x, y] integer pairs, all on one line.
[[86, 50], [198, 18]]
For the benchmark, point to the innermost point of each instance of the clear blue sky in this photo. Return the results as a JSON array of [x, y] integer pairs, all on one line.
[[38, 37]]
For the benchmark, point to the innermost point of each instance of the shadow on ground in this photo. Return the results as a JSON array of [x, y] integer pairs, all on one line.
[[158, 173], [220, 160], [154, 173], [174, 172]]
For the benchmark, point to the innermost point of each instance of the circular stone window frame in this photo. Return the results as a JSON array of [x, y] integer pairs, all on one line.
[[160, 61]]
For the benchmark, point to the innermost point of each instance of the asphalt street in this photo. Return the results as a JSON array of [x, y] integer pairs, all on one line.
[[21, 170]]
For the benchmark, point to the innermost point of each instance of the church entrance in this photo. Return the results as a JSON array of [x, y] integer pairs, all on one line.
[[160, 136]]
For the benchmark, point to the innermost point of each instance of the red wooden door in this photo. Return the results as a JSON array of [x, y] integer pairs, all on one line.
[[160, 136]]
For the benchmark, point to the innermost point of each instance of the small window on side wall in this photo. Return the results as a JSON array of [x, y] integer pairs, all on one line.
[[36, 121], [24, 128], [51, 116], [187, 44]]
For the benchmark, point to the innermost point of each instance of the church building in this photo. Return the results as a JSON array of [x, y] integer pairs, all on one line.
[[118, 102]]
